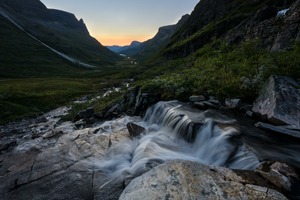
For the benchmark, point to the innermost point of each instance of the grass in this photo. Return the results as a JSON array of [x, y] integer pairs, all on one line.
[[222, 70], [33, 79], [26, 97], [200, 31], [36, 92]]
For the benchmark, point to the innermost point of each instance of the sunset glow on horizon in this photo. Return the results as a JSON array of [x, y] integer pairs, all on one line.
[[109, 40], [120, 22]]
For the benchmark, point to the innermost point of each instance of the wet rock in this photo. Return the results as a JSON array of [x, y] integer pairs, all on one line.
[[41, 119], [278, 129], [99, 115], [52, 133], [282, 176], [35, 135], [80, 124], [6, 145], [279, 101], [200, 105], [131, 95], [214, 101], [135, 130], [85, 114], [197, 98], [233, 103], [189, 180], [204, 105], [134, 103], [113, 111], [249, 114], [145, 100]]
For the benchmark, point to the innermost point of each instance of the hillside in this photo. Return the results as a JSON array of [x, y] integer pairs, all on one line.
[[237, 21], [228, 48], [152, 46], [58, 29], [22, 56]]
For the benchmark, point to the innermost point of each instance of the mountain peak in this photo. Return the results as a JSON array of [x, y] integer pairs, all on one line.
[[24, 6], [58, 29], [135, 43]]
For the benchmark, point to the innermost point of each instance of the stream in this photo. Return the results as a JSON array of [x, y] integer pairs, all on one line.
[[175, 130], [104, 156]]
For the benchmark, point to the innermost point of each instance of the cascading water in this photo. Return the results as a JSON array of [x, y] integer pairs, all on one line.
[[176, 131]]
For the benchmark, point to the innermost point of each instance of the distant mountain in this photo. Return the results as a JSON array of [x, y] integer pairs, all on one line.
[[236, 21], [152, 46], [118, 49], [57, 29]]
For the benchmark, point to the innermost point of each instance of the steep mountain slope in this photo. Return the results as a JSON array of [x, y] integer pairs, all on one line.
[[22, 56], [160, 40], [236, 21], [228, 48], [58, 29]]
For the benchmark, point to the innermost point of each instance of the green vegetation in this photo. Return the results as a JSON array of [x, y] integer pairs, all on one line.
[[33, 79], [222, 70], [26, 97], [202, 31]]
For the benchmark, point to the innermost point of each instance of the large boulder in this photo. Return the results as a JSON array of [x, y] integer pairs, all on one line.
[[279, 101], [189, 180]]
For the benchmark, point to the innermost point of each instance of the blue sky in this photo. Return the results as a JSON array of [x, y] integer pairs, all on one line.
[[122, 21]]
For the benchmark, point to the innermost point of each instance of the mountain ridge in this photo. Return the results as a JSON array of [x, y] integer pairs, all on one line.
[[150, 47], [230, 20], [118, 48], [58, 29]]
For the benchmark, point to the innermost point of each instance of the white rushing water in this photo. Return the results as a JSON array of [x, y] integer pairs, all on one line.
[[176, 131]]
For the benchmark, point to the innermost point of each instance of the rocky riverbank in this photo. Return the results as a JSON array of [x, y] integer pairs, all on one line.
[[178, 150]]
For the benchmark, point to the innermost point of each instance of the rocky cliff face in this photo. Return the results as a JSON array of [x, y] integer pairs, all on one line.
[[58, 29], [275, 30], [238, 21]]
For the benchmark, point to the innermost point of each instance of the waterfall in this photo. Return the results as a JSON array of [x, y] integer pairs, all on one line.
[[176, 130]]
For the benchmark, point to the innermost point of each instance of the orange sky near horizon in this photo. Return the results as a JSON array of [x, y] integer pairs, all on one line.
[[120, 22], [110, 40]]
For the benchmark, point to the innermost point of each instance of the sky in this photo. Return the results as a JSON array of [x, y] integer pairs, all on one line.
[[119, 22]]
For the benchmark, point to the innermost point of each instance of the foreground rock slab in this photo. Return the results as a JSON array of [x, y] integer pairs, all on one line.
[[189, 180], [279, 101]]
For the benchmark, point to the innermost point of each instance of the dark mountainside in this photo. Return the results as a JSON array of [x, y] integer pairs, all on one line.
[[150, 47], [118, 49], [22, 56], [228, 48], [237, 21], [59, 30]]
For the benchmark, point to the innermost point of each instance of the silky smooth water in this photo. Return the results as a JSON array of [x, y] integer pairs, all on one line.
[[177, 131]]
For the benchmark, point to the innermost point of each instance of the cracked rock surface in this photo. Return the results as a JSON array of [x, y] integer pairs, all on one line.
[[189, 180]]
